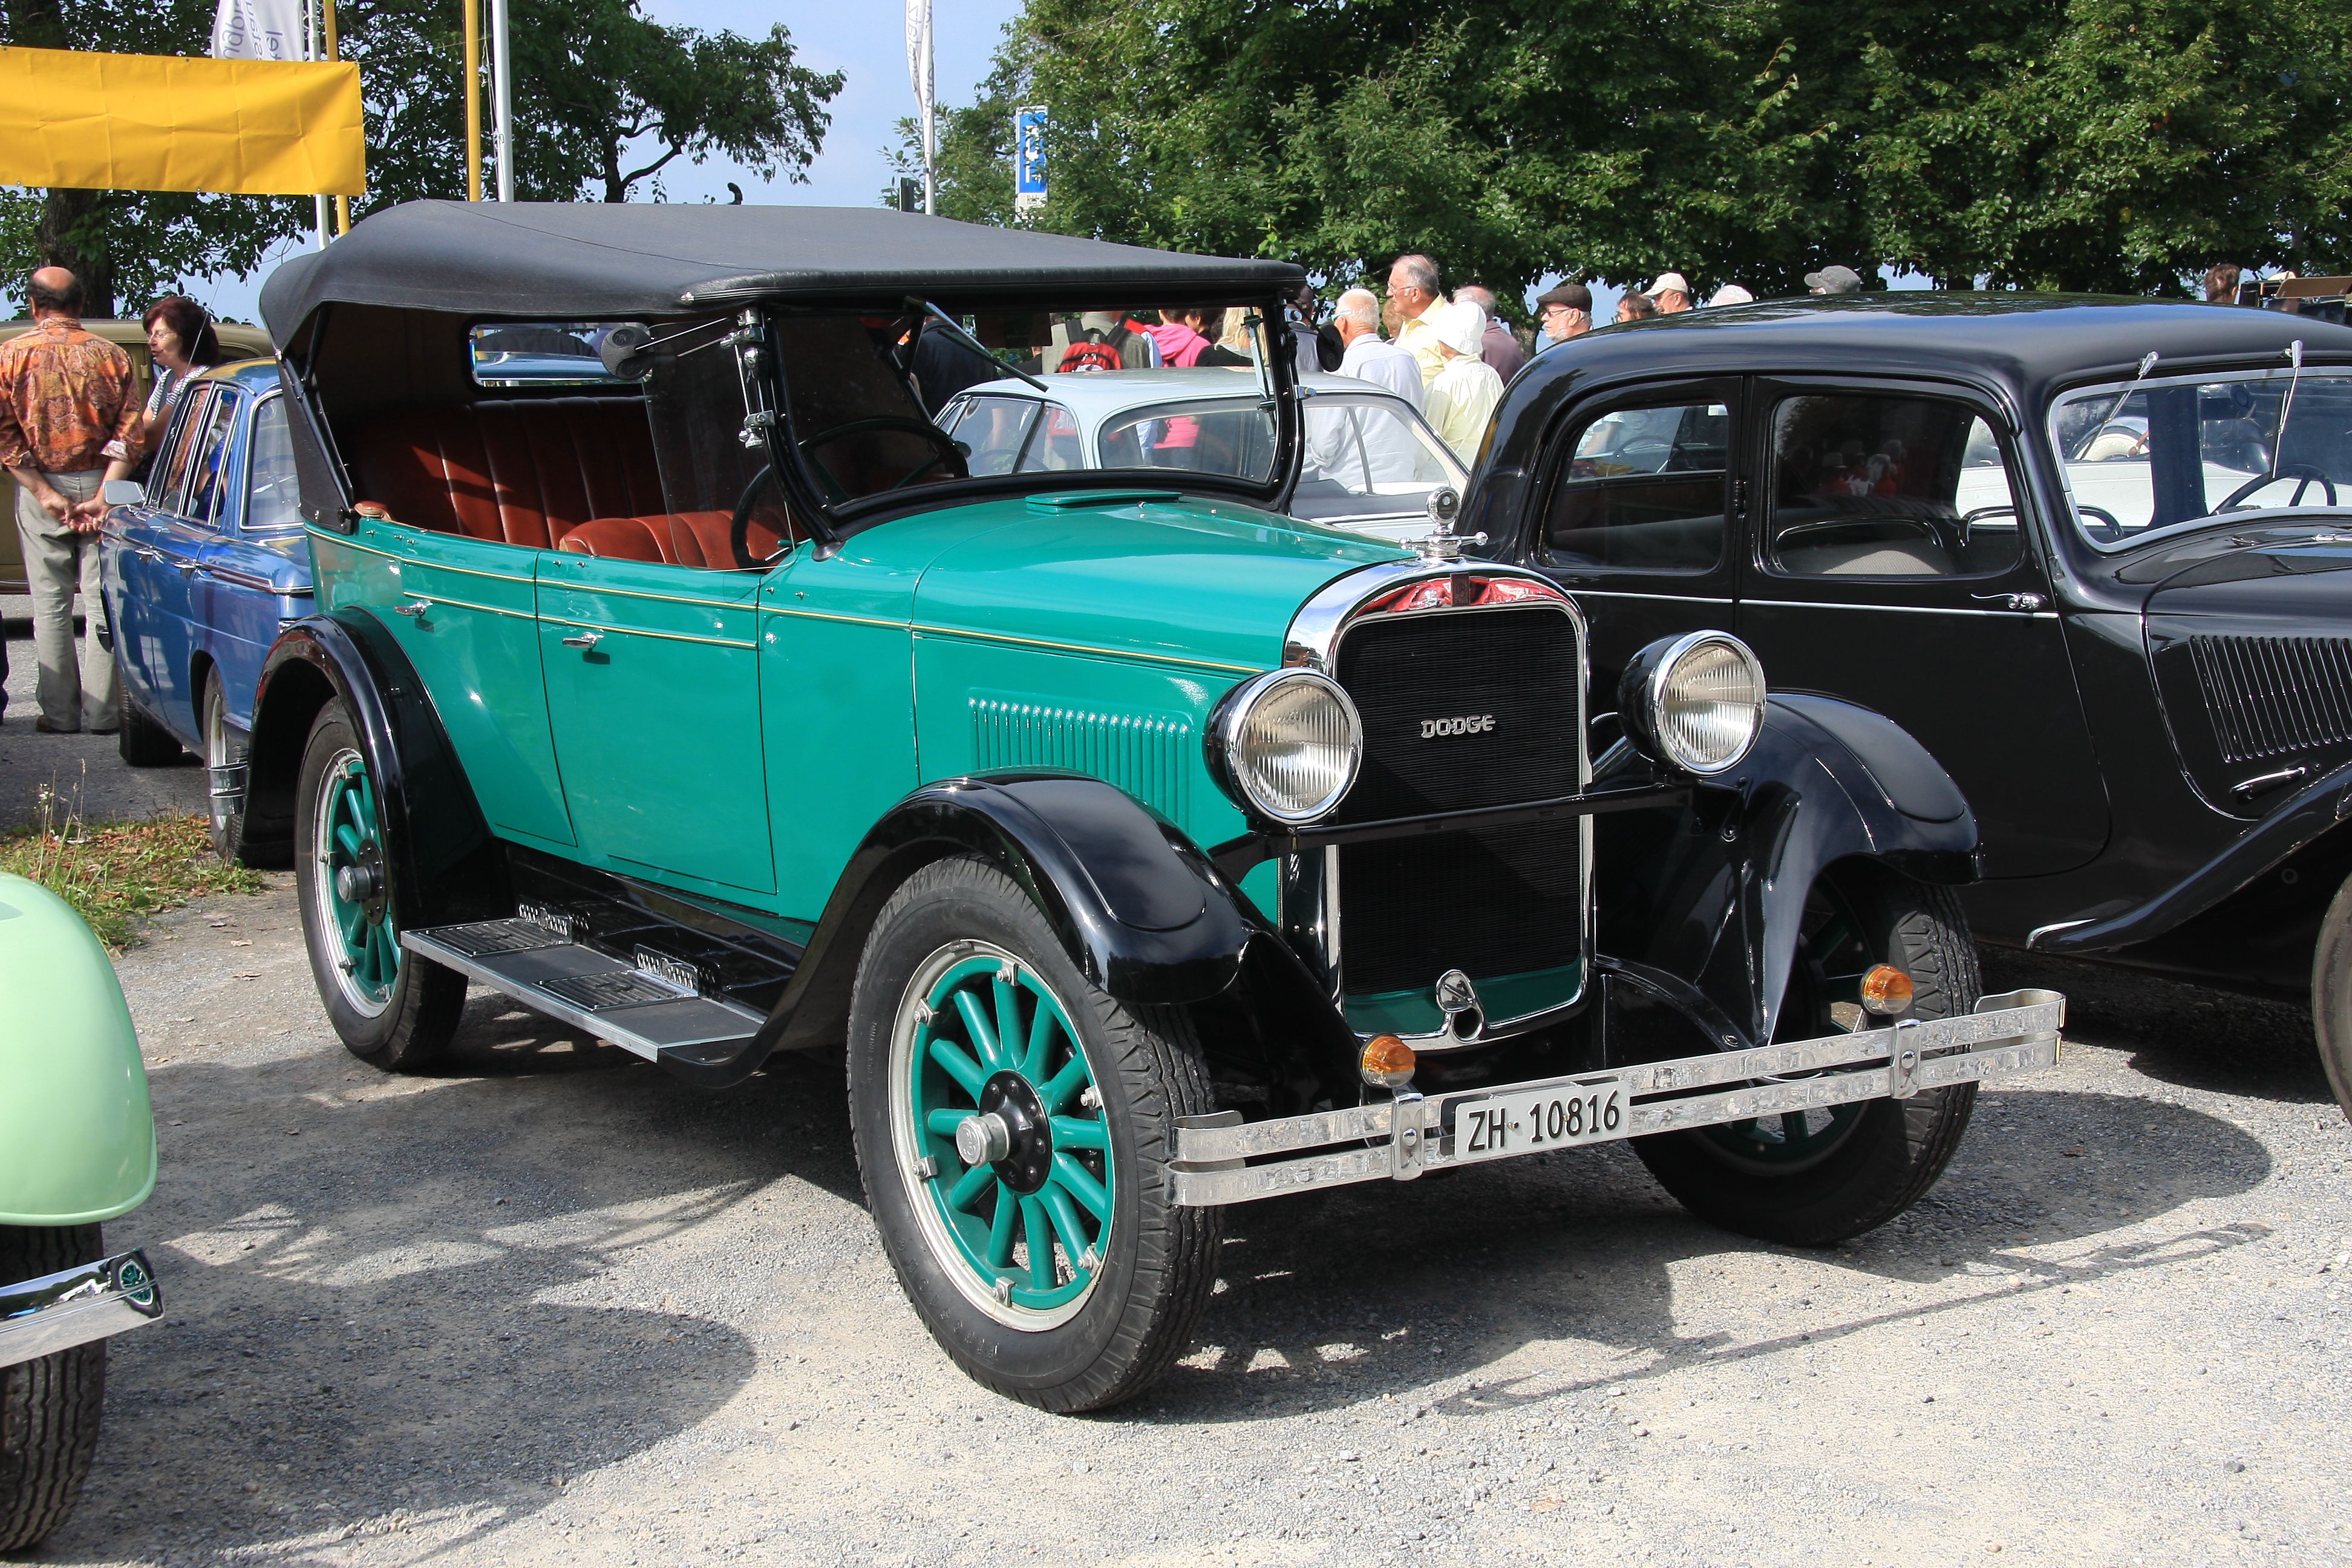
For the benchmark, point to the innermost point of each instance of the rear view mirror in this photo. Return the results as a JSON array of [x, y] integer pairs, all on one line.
[[123, 492]]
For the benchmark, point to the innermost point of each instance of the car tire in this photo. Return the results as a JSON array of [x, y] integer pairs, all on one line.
[[49, 1408], [1091, 1094], [1818, 1177], [227, 821], [142, 741], [393, 1009], [2331, 996]]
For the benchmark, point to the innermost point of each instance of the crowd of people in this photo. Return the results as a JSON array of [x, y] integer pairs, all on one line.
[[71, 419]]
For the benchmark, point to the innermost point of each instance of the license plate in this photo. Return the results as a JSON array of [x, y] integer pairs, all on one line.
[[1495, 1126]]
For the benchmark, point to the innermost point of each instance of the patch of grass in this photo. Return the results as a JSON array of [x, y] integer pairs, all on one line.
[[117, 873]]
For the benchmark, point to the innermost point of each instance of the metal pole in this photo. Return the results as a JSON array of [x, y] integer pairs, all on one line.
[[473, 100], [311, 51], [342, 203], [502, 97], [930, 124]]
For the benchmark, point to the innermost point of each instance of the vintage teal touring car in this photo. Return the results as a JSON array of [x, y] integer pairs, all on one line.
[[675, 675]]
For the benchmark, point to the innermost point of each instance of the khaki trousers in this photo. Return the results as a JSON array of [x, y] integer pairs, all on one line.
[[57, 561]]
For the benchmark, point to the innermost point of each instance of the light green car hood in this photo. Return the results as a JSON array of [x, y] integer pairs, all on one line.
[[1192, 581], [77, 1134]]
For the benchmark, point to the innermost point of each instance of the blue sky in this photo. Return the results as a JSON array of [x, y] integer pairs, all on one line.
[[865, 42]]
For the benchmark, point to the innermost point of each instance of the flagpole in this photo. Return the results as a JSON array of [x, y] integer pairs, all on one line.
[[502, 97], [473, 100], [342, 203], [311, 51], [930, 121]]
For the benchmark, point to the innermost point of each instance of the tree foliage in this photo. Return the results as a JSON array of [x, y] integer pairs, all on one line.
[[2108, 144], [605, 100]]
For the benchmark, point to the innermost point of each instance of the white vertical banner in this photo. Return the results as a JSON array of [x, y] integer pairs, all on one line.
[[919, 69], [260, 30]]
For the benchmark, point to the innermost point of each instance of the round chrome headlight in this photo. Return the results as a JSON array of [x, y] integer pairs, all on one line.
[[1696, 702], [1287, 744]]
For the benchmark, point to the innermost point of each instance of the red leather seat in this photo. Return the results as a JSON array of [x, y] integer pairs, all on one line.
[[699, 538], [521, 473], [621, 539]]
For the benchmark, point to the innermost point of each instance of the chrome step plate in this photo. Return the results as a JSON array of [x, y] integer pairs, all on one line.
[[649, 1014]]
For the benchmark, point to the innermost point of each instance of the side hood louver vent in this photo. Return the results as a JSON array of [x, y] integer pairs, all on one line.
[[2275, 696]]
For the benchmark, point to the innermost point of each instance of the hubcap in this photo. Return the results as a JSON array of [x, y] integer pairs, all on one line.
[[350, 900], [1000, 1135]]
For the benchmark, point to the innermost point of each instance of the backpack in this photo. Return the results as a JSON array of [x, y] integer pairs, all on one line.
[[1087, 355]]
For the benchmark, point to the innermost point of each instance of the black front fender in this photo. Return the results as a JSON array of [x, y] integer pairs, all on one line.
[[448, 866], [1716, 896], [1138, 908]]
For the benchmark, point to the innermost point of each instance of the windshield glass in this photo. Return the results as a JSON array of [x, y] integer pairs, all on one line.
[[880, 403], [271, 496], [2144, 459]]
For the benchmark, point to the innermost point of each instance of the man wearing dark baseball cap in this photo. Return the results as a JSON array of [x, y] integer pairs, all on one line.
[[1834, 280]]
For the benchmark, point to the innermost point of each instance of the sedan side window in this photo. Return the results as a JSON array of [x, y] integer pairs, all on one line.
[[994, 430], [206, 476], [1645, 491], [167, 482], [1872, 486]]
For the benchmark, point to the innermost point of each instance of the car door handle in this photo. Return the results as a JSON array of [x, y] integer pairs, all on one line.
[[584, 640], [146, 553], [414, 607], [2014, 601]]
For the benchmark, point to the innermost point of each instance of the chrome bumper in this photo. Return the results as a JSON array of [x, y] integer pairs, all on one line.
[[2016, 1032], [75, 1306]]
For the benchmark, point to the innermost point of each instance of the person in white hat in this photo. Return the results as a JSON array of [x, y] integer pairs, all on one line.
[[1730, 294], [1671, 293], [1461, 398]]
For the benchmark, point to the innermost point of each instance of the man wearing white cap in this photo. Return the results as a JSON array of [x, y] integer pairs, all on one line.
[[1671, 293], [1462, 399], [1730, 294]]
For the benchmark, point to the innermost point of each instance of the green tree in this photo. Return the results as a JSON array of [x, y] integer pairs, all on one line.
[[2073, 144]]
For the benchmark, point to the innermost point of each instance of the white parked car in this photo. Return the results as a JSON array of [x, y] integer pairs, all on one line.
[[1371, 461]]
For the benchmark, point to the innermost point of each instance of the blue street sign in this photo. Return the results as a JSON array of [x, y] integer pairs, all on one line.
[[1028, 157]]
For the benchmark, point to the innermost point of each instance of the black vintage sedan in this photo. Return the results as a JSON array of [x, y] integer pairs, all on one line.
[[2095, 554]]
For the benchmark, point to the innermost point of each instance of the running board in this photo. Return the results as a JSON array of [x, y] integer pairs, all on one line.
[[655, 1007]]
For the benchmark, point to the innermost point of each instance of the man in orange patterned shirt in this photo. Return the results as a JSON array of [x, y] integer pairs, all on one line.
[[67, 405]]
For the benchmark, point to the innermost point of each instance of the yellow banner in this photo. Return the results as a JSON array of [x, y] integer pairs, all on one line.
[[164, 123]]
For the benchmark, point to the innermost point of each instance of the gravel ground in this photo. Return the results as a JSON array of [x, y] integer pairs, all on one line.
[[86, 771], [554, 1308]]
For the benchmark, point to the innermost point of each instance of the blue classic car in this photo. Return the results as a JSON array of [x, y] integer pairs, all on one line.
[[204, 562]]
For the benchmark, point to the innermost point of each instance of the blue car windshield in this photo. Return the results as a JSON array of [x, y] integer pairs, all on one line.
[[271, 501], [2148, 458]]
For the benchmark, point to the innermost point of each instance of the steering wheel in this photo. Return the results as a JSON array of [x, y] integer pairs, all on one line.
[[738, 528], [949, 447], [2302, 472]]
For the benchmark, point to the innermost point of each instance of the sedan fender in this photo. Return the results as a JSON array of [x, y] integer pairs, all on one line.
[[1718, 896], [77, 1133]]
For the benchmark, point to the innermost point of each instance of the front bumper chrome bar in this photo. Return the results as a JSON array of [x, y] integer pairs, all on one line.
[[75, 1306], [2016, 1032]]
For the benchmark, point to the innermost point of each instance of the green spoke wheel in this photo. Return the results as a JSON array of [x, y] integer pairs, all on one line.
[[353, 889], [389, 1007], [1818, 1176], [1000, 1131], [1016, 1126]]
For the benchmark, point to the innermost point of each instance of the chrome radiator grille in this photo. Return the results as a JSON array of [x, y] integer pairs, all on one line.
[[2271, 697], [1489, 902]]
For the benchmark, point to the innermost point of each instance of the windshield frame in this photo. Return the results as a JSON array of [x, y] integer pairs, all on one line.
[[1276, 380], [2122, 387]]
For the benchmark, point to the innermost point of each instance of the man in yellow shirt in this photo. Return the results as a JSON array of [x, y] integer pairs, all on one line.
[[1413, 289]]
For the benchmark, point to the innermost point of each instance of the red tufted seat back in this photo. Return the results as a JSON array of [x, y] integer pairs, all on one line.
[[521, 473]]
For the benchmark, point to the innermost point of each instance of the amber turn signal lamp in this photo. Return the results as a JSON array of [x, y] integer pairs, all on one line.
[[1388, 1062], [1886, 990]]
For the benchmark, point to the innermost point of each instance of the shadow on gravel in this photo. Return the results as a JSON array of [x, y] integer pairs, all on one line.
[[1333, 1299], [2179, 1034], [427, 1334]]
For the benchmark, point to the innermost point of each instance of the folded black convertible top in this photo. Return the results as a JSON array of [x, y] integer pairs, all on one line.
[[535, 258]]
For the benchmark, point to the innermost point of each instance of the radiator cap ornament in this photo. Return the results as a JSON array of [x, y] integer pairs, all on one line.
[[1455, 995]]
